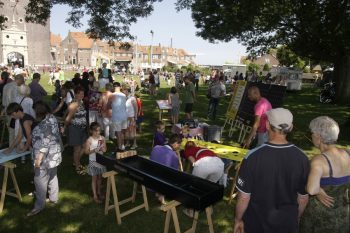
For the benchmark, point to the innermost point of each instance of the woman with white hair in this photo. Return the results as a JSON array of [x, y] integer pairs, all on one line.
[[24, 100], [329, 181]]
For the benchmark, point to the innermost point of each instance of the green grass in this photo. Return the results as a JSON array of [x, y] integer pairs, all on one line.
[[76, 211]]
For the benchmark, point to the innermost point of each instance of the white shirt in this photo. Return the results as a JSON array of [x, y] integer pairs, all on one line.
[[27, 105], [130, 107], [9, 93]]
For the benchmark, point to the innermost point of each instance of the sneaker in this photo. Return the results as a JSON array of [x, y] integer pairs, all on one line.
[[33, 212]]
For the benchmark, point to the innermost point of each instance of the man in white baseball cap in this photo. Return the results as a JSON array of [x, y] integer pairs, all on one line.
[[272, 180]]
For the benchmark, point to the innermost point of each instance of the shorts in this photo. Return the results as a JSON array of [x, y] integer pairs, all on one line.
[[209, 168], [188, 107], [119, 126], [139, 120], [175, 110]]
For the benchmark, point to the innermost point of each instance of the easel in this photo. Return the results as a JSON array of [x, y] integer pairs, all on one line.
[[234, 182], [170, 209], [111, 184], [8, 166]]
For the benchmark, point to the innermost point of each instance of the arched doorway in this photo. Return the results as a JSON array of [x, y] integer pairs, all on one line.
[[15, 58]]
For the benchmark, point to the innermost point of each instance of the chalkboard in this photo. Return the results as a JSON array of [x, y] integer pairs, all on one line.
[[274, 93]]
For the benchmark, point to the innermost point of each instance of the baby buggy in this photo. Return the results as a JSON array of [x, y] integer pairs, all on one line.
[[145, 86]]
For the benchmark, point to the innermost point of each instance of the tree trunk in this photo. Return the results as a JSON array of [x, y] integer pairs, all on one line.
[[342, 79]]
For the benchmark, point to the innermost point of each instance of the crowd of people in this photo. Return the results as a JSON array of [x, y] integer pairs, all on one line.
[[279, 189]]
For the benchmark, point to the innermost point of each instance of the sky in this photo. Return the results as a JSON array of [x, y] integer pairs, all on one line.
[[166, 23]]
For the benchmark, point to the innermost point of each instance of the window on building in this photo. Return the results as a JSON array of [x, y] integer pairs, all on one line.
[[20, 20], [6, 18], [21, 37], [124, 54], [129, 55], [267, 60]]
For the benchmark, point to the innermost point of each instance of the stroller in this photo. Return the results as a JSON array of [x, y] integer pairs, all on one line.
[[327, 94], [145, 87]]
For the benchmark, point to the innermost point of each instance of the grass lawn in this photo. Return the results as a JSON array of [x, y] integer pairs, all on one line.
[[76, 210]]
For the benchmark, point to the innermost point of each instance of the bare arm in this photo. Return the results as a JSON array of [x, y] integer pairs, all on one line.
[[72, 109], [15, 142], [241, 207], [302, 201], [87, 145], [252, 134], [28, 128], [134, 104], [316, 171]]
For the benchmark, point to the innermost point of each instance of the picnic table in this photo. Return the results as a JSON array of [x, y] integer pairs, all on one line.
[[8, 167], [163, 105]]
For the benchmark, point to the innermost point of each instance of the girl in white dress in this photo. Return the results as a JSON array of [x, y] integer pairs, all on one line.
[[95, 144]]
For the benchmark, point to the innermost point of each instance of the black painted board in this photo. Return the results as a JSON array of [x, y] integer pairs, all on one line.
[[274, 93]]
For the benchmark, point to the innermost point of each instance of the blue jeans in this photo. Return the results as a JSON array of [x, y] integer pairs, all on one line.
[[212, 108]]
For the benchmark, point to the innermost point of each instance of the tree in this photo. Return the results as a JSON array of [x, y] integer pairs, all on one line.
[[314, 29], [266, 67], [108, 19], [288, 58]]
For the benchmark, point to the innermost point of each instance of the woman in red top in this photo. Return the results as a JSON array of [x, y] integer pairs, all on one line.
[[206, 164]]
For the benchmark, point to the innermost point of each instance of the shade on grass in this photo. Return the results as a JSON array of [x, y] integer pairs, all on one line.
[[76, 210]]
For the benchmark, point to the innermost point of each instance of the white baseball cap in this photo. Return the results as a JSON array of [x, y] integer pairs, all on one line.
[[280, 118]]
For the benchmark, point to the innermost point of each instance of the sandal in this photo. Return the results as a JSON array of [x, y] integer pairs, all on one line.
[[80, 170]]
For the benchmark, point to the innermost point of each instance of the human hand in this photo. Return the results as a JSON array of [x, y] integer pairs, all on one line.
[[20, 150], [246, 143], [238, 227], [326, 200]]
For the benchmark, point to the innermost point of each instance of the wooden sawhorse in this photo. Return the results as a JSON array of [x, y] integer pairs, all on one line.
[[170, 209], [8, 166], [116, 203]]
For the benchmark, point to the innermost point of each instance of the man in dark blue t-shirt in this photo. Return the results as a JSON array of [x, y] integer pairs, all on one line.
[[271, 181]]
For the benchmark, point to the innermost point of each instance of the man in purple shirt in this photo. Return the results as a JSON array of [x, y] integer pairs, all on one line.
[[166, 154], [37, 92]]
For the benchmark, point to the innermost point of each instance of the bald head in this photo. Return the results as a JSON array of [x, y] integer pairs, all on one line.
[[254, 94]]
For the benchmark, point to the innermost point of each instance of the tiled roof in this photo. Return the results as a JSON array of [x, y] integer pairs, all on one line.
[[55, 40], [84, 42]]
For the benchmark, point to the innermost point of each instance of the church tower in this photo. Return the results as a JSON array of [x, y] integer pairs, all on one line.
[[23, 43]]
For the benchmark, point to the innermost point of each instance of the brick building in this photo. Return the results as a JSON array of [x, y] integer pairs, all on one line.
[[79, 50], [23, 43]]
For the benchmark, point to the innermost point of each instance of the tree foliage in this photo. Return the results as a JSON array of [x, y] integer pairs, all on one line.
[[108, 19], [288, 58], [310, 28]]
